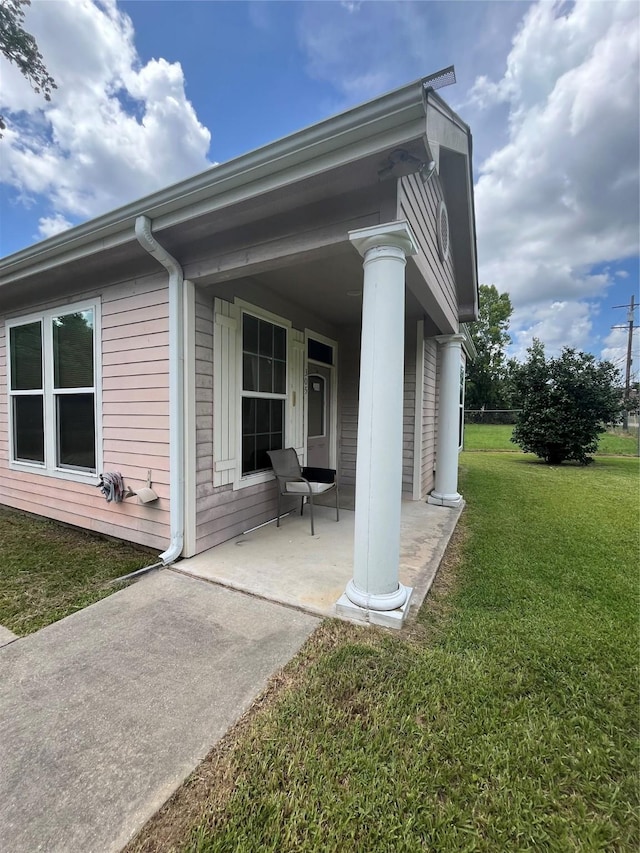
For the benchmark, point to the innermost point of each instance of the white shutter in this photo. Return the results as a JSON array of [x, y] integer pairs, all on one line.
[[225, 391], [295, 433]]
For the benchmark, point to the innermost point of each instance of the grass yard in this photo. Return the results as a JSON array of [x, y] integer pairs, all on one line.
[[506, 719], [48, 571], [497, 437]]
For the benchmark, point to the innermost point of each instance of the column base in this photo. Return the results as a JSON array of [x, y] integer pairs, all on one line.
[[387, 618], [453, 500]]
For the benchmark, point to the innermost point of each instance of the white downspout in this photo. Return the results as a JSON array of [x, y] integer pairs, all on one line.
[[176, 386]]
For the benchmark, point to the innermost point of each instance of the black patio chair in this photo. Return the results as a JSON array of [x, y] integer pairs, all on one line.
[[305, 482]]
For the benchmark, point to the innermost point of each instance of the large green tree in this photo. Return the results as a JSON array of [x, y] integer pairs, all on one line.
[[487, 375], [21, 49], [566, 403]]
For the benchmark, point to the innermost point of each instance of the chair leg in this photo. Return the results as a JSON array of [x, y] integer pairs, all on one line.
[[337, 504], [311, 506], [278, 521], [302, 506]]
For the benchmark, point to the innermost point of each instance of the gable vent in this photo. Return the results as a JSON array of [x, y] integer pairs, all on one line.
[[442, 231]]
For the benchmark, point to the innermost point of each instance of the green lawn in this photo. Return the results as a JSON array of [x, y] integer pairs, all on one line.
[[507, 719], [497, 437], [48, 571]]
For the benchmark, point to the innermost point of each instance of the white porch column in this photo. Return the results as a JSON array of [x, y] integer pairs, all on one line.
[[445, 492], [375, 585]]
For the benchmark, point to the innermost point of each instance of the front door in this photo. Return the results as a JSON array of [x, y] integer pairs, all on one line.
[[318, 416]]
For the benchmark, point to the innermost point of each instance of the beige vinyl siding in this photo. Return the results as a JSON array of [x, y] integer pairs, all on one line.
[[348, 383], [418, 204], [429, 414], [348, 406], [409, 409], [135, 419]]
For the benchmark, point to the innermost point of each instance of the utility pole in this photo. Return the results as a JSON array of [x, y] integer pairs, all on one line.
[[627, 383], [627, 379]]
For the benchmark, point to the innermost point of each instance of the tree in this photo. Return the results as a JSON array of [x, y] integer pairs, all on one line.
[[487, 375], [566, 403], [21, 49]]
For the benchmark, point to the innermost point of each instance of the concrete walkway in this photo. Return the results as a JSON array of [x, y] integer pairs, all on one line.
[[103, 714]]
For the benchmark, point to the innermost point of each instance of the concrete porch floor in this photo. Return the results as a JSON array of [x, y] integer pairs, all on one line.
[[288, 565]]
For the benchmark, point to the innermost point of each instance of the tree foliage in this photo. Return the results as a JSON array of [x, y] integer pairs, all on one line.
[[487, 375], [566, 403], [21, 49]]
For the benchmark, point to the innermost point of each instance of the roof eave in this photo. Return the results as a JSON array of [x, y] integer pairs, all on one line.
[[362, 130]]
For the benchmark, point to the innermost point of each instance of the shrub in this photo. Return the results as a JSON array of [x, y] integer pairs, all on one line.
[[566, 403]]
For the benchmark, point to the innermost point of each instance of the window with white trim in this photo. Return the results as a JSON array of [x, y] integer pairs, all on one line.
[[463, 368], [53, 390], [263, 392]]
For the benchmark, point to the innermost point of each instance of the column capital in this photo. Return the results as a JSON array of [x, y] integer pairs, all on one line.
[[396, 234], [449, 340]]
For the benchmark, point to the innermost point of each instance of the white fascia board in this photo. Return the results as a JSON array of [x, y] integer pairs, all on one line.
[[445, 128], [363, 130]]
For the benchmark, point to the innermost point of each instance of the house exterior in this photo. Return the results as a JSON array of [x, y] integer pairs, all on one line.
[[311, 293]]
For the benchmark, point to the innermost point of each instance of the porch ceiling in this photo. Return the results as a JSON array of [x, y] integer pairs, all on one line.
[[322, 285]]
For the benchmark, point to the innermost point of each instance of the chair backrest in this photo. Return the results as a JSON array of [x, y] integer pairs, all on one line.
[[285, 462]]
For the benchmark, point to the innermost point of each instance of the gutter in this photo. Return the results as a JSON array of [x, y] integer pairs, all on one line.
[[143, 232], [468, 344]]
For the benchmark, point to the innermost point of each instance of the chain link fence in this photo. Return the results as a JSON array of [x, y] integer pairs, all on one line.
[[490, 416]]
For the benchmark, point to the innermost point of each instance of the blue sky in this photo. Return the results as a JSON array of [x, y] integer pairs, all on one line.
[[150, 92]]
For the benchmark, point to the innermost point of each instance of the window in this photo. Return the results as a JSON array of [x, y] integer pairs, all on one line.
[[461, 406], [264, 387], [53, 391], [319, 351]]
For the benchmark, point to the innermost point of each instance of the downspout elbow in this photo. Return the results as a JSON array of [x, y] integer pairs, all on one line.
[[144, 235]]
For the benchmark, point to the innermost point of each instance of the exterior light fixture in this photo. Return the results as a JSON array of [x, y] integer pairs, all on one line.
[[427, 170]]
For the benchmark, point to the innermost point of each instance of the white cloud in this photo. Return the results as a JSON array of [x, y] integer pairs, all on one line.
[[622, 274], [557, 324], [114, 130], [561, 196], [48, 226]]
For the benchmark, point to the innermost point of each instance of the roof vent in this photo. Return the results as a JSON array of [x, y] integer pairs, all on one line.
[[444, 77], [442, 231]]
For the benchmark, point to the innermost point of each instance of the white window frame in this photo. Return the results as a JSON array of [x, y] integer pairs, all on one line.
[[463, 377], [45, 318], [242, 481]]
